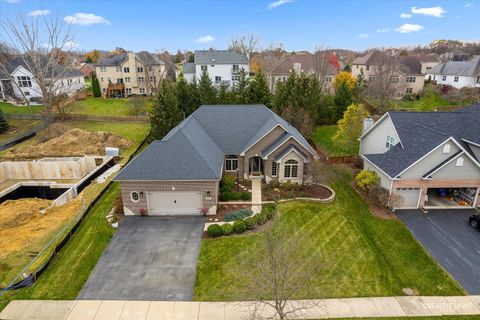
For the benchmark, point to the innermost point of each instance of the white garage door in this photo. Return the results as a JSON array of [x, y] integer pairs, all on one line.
[[410, 197], [174, 203]]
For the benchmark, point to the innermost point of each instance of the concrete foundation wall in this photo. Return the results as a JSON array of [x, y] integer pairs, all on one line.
[[47, 168]]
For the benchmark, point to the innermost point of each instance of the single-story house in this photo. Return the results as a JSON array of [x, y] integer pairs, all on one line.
[[429, 159], [180, 174]]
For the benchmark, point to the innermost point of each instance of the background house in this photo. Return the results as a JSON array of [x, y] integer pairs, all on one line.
[[430, 159], [222, 66], [87, 69], [405, 71], [122, 75], [458, 74], [17, 83]]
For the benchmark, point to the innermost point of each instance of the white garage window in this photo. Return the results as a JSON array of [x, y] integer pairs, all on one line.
[[459, 162], [135, 196]]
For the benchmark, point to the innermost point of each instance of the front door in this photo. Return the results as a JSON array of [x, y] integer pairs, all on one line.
[[256, 166]]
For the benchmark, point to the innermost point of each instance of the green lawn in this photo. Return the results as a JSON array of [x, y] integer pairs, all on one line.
[[13, 109], [364, 256], [322, 137], [104, 107], [70, 269], [436, 103], [17, 127]]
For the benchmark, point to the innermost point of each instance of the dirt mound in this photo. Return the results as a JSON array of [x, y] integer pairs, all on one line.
[[52, 131], [75, 142], [25, 227]]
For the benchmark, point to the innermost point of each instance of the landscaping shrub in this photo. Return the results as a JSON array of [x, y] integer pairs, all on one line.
[[228, 182], [239, 226], [250, 223], [227, 229], [238, 215], [226, 196], [245, 196], [236, 195], [269, 210], [367, 179], [379, 196], [261, 218], [214, 230]]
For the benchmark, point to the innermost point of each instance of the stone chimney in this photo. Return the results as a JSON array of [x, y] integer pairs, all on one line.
[[367, 124]]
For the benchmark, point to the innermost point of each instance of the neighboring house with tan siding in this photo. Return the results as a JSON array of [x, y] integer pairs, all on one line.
[[430, 159], [304, 64], [406, 75], [123, 75], [180, 174]]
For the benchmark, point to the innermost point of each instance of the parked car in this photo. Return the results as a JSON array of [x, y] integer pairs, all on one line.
[[474, 221]]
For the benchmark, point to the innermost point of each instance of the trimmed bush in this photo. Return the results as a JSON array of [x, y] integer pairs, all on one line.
[[367, 179], [226, 196], [245, 196], [214, 230], [250, 223], [239, 226], [236, 196], [227, 229], [261, 218], [269, 210]]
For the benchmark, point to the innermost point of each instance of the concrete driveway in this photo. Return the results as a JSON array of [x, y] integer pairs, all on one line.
[[448, 238], [148, 258]]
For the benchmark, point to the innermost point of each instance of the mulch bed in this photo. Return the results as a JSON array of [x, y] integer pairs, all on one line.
[[302, 191], [226, 209]]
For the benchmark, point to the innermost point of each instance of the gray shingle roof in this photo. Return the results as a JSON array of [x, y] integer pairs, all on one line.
[[219, 57], [202, 140], [149, 59], [112, 60], [54, 69], [458, 68], [420, 132]]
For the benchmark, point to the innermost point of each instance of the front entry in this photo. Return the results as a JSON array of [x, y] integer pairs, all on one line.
[[174, 203], [256, 166]]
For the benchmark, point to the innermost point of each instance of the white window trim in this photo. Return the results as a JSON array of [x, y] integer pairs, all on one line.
[[276, 169], [390, 144], [131, 196], [231, 159], [290, 166]]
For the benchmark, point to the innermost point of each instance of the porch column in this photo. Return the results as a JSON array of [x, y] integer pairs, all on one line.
[[256, 193]]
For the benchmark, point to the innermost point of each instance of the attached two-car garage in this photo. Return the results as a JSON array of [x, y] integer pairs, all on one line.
[[436, 198], [174, 203]]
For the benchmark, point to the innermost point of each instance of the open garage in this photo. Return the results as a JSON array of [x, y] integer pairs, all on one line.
[[450, 198]]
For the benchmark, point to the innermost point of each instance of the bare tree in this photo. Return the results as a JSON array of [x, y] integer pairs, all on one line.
[[277, 271], [269, 60], [41, 43], [384, 82], [245, 44], [321, 64]]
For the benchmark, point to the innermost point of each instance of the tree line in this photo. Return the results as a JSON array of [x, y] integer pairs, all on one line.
[[301, 100]]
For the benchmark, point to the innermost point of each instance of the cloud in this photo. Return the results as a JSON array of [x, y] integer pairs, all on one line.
[[86, 19], [383, 30], [468, 5], [408, 28], [205, 39], [432, 11], [12, 1], [363, 35], [71, 44], [405, 15], [278, 3], [36, 13]]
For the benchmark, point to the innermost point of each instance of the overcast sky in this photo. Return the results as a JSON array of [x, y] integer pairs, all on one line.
[[297, 24]]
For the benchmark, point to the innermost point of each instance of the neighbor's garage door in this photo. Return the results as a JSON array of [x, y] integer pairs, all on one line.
[[409, 198], [174, 203]]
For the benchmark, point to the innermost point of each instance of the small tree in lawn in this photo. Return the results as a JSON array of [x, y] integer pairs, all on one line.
[[3, 122], [258, 91], [367, 180], [208, 93], [95, 86], [166, 113], [281, 268], [350, 126]]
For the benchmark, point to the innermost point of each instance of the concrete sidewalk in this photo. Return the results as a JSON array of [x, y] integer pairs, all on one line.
[[182, 310]]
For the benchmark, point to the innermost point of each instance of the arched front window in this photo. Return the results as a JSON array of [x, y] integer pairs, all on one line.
[[291, 169]]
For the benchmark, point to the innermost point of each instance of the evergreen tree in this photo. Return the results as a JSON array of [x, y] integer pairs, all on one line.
[[258, 91], [187, 95], [208, 93], [225, 95], [285, 94], [347, 68], [240, 88], [95, 86], [343, 98], [3, 122], [166, 113], [360, 83]]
